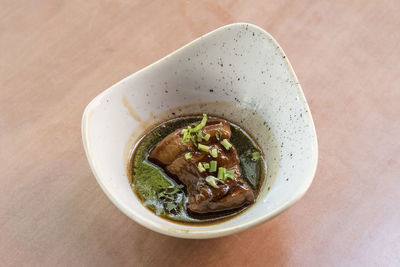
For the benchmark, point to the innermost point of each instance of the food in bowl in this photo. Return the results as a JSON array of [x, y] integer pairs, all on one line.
[[267, 101], [195, 169]]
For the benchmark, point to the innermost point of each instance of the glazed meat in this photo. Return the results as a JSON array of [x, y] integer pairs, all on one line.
[[203, 198], [171, 146]]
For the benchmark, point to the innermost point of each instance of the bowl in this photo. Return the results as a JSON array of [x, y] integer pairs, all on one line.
[[238, 72]]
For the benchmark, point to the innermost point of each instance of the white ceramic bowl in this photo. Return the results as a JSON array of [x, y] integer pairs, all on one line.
[[238, 72]]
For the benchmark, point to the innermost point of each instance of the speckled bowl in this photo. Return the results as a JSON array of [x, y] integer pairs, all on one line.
[[238, 72]]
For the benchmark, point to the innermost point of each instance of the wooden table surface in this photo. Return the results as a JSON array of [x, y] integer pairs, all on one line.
[[55, 56]]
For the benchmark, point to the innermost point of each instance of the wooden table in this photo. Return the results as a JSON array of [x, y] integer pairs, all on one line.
[[55, 56]]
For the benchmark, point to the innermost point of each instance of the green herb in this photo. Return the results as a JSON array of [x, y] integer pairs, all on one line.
[[149, 181], [199, 136], [206, 166], [217, 136], [200, 167], [214, 152], [188, 155], [226, 144], [171, 198], [169, 206], [211, 180], [172, 190], [207, 137], [229, 174], [204, 148], [255, 155], [186, 135], [201, 124], [186, 139], [221, 173], [213, 166]]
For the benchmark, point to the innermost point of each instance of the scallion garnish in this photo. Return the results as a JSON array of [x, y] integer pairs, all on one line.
[[206, 165], [199, 136], [206, 137], [186, 138], [188, 155], [193, 140], [229, 174], [226, 144], [200, 167], [213, 166], [255, 155], [200, 125], [221, 173], [202, 147], [214, 152], [186, 135], [211, 180]]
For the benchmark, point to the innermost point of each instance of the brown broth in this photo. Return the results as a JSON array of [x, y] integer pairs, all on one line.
[[148, 179]]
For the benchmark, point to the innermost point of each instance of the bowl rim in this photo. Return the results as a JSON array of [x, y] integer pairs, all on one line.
[[211, 233]]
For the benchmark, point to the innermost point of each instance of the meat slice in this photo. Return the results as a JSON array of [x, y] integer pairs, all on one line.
[[168, 149], [203, 198], [231, 194]]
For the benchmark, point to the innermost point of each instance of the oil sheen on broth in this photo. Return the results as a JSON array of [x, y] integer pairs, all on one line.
[[160, 187]]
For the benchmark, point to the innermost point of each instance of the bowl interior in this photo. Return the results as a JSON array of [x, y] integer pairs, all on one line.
[[238, 72]]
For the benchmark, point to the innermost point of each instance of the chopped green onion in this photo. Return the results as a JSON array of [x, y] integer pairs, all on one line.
[[229, 174], [186, 135], [206, 165], [226, 144], [255, 155], [221, 173], [217, 136], [200, 125], [214, 152], [212, 181], [188, 155], [199, 136], [200, 167], [213, 166], [186, 138], [193, 140], [207, 137], [202, 147]]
